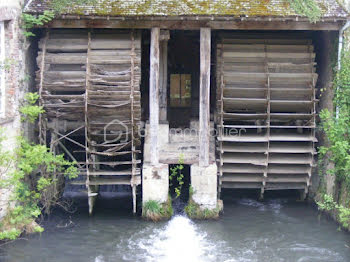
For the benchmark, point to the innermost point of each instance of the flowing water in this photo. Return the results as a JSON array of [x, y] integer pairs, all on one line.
[[271, 231]]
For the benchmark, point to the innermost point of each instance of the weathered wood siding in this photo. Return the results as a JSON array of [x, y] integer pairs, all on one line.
[[89, 84], [266, 112]]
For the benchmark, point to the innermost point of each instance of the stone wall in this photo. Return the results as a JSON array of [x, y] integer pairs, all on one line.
[[324, 183], [10, 13]]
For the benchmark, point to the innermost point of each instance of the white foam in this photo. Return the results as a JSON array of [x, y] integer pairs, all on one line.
[[178, 241]]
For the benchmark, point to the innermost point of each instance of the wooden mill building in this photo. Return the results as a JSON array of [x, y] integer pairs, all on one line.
[[231, 86]]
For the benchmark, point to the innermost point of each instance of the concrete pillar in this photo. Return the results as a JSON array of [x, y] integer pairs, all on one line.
[[204, 184], [155, 183], [204, 174], [155, 178]]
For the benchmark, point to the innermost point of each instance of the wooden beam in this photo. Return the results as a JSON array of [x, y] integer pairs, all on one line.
[[204, 99], [190, 24], [154, 95], [163, 80], [42, 131]]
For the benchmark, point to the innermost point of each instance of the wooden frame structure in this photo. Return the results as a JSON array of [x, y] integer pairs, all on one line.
[[88, 83], [267, 112]]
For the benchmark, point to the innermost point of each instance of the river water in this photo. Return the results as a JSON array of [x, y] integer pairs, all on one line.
[[270, 231]]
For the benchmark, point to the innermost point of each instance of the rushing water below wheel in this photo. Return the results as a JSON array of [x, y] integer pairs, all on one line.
[[271, 231]]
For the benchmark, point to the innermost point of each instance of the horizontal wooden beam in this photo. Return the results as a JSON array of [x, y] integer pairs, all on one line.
[[195, 24]]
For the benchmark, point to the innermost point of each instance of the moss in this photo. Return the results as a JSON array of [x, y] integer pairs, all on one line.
[[194, 211], [308, 8], [156, 211], [173, 7]]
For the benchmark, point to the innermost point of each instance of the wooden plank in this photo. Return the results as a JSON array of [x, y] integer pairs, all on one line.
[[268, 55], [243, 178], [245, 104], [284, 186], [111, 173], [87, 149], [163, 104], [291, 116], [245, 158], [114, 181], [293, 147], [237, 147], [241, 92], [241, 185], [277, 158], [204, 96], [242, 168], [243, 116], [42, 136], [288, 169], [78, 22], [287, 179], [243, 138], [292, 137]]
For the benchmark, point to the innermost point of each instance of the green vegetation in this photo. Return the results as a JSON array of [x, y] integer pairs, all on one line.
[[337, 128], [327, 204], [7, 63], [61, 6], [31, 178], [30, 111], [30, 21], [176, 172], [182, 7], [155, 211], [194, 211], [31, 175], [308, 8]]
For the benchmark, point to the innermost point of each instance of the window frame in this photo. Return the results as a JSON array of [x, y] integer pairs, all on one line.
[[183, 101]]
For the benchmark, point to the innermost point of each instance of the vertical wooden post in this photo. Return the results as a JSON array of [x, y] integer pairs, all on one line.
[[204, 96], [154, 95], [42, 129], [163, 71]]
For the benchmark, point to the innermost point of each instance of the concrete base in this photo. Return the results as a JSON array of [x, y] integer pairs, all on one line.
[[155, 183], [204, 184]]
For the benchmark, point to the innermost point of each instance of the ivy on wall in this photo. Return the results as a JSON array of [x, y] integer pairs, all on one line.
[[337, 128], [30, 174]]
